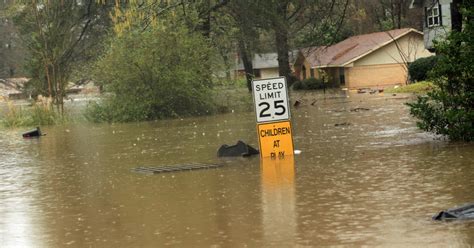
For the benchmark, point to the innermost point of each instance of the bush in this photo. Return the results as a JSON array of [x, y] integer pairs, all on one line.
[[449, 108], [154, 74], [418, 69], [312, 84]]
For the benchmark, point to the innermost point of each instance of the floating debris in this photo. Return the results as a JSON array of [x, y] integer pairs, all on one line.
[[343, 124], [465, 212], [359, 109], [175, 168], [362, 90], [237, 150], [297, 103], [33, 133]]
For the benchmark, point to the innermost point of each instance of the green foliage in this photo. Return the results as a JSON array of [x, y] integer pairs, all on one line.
[[449, 108], [238, 82], [416, 88], [233, 99], [154, 74], [312, 84], [418, 69], [58, 35]]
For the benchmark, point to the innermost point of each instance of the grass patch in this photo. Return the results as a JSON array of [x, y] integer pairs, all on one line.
[[416, 88], [30, 116]]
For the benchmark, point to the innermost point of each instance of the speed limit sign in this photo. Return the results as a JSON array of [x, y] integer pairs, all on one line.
[[272, 108], [271, 99]]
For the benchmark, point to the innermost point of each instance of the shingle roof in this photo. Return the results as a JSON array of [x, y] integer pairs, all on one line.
[[351, 49]]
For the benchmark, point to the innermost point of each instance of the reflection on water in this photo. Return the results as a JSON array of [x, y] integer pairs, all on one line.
[[375, 180], [278, 200]]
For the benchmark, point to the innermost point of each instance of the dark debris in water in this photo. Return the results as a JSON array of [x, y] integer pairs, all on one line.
[[343, 124], [175, 168], [359, 109], [465, 212]]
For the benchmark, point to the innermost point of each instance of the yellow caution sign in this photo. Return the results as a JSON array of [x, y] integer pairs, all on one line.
[[276, 140]]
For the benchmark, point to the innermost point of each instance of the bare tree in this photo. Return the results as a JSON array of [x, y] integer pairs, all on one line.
[[407, 52]]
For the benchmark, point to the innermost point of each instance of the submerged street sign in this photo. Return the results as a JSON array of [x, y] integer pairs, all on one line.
[[271, 99], [272, 109], [275, 139]]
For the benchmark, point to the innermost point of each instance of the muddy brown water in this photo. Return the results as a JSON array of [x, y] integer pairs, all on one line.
[[372, 180]]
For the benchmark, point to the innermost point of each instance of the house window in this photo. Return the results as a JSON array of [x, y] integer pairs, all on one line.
[[303, 72], [433, 16], [311, 72]]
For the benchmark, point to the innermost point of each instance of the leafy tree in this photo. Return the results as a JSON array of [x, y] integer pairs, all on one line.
[[287, 18], [203, 17], [153, 74], [248, 23], [449, 108], [57, 34]]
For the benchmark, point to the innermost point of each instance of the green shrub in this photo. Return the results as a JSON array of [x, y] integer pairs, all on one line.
[[449, 108], [418, 69], [231, 83], [154, 74], [312, 84]]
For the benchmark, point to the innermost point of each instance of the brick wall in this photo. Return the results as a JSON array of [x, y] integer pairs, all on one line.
[[375, 76]]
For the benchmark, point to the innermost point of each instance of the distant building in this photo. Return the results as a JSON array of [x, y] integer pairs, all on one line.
[[437, 19], [265, 65], [370, 60], [11, 88]]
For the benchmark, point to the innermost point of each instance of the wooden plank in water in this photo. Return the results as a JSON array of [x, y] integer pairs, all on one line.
[[174, 168]]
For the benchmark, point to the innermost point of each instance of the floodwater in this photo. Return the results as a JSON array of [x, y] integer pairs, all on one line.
[[372, 180]]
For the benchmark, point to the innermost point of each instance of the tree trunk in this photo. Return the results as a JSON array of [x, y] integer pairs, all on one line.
[[281, 41], [399, 14], [247, 62], [456, 17]]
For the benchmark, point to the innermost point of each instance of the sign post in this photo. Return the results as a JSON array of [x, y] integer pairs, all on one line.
[[273, 117]]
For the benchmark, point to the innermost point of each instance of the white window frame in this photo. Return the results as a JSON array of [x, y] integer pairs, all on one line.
[[433, 16]]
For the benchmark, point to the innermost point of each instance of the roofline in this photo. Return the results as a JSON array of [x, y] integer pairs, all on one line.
[[365, 54], [382, 45]]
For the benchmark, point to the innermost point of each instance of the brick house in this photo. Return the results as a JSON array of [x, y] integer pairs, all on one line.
[[370, 60]]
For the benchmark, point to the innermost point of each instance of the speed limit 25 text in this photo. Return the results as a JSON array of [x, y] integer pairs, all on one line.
[[274, 88]]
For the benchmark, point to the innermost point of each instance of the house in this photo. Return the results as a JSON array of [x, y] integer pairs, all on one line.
[[369, 60], [437, 19], [265, 65], [11, 88]]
